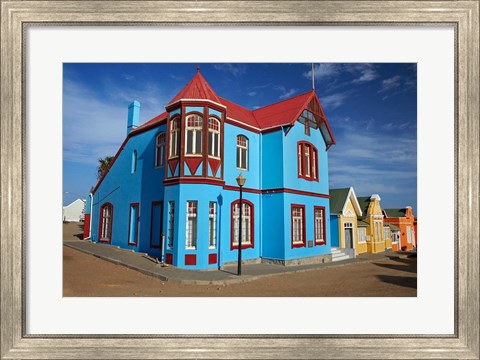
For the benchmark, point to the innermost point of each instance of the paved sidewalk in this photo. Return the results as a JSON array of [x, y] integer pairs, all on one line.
[[227, 275]]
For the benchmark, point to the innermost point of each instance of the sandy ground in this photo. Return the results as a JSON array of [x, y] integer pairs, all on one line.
[[86, 275]]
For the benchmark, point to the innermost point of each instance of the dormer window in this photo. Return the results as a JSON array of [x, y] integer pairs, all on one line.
[[307, 157], [193, 135], [213, 138], [174, 137]]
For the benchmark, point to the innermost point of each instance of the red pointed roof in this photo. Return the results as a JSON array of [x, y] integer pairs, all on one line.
[[197, 88]]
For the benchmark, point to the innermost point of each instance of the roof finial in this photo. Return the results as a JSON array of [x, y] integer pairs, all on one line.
[[313, 77], [198, 68]]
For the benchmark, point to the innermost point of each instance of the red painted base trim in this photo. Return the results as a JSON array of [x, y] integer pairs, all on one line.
[[86, 226], [212, 259], [169, 259], [190, 259]]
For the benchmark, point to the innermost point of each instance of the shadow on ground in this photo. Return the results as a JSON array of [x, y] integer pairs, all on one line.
[[405, 281], [405, 268]]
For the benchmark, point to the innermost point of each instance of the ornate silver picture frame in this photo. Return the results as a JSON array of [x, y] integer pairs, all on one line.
[[17, 15]]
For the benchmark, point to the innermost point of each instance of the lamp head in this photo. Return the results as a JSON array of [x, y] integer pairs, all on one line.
[[241, 180]]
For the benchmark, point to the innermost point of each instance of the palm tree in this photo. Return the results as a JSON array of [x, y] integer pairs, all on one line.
[[103, 165]]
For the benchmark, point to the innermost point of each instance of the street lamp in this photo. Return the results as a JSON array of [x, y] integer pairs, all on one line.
[[240, 181]]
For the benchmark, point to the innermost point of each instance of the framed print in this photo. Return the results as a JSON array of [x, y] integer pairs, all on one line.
[[441, 37]]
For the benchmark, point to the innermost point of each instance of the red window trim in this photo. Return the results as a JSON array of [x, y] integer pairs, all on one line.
[[151, 224], [304, 242], [130, 224], [301, 166], [252, 225], [324, 242], [108, 241]]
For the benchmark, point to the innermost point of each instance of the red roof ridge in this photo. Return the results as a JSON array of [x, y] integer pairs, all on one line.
[[288, 99]]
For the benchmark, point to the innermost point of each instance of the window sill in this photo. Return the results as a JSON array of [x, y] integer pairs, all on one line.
[[298, 245]]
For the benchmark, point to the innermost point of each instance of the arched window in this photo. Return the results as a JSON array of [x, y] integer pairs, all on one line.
[[106, 219], [134, 161], [174, 137], [213, 137], [247, 224], [193, 135], [160, 150], [242, 152], [307, 157]]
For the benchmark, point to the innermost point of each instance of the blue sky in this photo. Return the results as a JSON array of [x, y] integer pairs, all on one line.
[[371, 108]]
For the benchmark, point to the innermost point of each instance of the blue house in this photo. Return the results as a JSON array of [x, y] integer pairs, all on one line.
[[171, 189]]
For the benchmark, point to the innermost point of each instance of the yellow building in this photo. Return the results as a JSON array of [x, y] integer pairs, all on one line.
[[373, 231], [344, 211]]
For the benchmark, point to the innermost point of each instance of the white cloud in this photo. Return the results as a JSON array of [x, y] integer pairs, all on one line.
[[252, 93], [390, 83], [333, 101], [323, 71], [362, 72], [373, 163], [234, 69], [95, 127]]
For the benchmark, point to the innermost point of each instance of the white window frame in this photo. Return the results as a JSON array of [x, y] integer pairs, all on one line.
[[191, 225], [212, 225], [174, 138], [362, 235], [377, 230], [319, 220], [297, 226], [214, 139], [409, 235], [308, 160], [160, 151], [106, 222], [196, 128], [386, 233], [171, 223], [246, 224], [242, 153]]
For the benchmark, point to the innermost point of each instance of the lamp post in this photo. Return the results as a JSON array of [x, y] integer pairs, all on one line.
[[240, 181]]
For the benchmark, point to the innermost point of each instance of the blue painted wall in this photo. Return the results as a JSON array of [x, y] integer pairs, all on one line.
[[272, 164], [335, 236], [230, 157]]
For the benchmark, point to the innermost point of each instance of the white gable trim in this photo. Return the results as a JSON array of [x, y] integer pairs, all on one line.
[[353, 198]]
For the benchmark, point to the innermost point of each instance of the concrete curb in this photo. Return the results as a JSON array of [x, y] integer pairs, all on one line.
[[243, 279]]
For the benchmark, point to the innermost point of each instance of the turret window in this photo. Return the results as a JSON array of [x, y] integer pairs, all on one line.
[[193, 132], [213, 137], [174, 137]]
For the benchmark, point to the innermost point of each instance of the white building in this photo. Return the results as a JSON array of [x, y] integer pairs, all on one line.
[[74, 211]]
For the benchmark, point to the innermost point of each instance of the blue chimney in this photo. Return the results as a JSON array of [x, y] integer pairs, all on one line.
[[133, 116]]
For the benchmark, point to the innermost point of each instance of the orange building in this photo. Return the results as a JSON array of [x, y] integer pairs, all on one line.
[[404, 219]]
